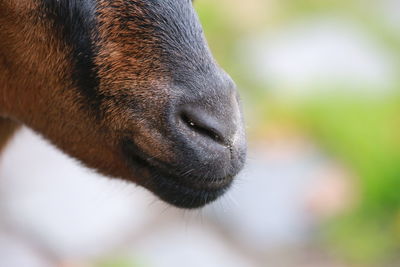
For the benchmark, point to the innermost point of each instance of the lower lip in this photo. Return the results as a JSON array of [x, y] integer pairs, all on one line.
[[183, 196], [170, 189]]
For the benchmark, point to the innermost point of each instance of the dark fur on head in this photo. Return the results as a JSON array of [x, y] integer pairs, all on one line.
[[128, 87]]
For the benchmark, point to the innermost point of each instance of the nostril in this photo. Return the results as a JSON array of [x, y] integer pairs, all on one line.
[[200, 125]]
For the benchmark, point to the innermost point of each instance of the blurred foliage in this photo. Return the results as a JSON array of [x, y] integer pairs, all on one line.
[[120, 261], [361, 131]]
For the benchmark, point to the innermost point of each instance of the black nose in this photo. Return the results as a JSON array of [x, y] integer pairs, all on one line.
[[206, 125], [214, 124]]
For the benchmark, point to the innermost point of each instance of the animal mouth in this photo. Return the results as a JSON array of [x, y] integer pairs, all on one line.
[[179, 190], [184, 196]]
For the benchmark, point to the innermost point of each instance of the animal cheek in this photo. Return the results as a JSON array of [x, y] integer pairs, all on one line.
[[153, 144]]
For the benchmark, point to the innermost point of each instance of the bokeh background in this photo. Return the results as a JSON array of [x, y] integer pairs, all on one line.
[[320, 87]]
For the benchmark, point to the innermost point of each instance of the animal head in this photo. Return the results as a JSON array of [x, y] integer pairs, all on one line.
[[127, 87]]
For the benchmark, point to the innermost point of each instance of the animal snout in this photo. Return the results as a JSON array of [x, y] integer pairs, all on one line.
[[210, 133], [199, 148], [209, 149]]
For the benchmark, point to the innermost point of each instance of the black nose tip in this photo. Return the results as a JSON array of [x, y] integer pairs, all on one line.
[[209, 126]]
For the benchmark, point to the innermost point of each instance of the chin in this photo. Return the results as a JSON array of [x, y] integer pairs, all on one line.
[[182, 195], [166, 181]]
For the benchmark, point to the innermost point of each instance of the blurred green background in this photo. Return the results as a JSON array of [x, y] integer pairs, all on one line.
[[353, 117]]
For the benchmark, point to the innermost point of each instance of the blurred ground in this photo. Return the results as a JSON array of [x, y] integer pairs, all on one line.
[[53, 210]]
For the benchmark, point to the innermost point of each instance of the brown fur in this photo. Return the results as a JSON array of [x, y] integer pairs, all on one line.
[[7, 129], [34, 81]]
